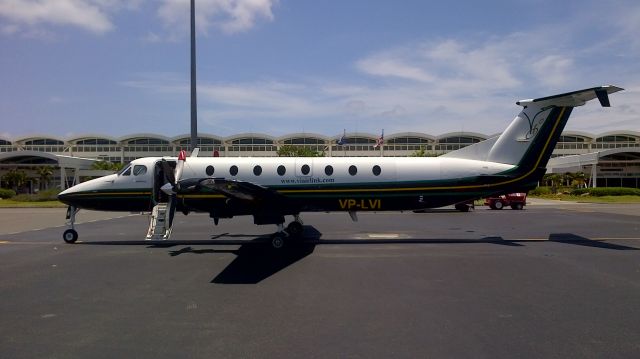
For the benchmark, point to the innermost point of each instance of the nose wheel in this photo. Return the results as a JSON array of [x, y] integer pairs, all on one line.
[[71, 235]]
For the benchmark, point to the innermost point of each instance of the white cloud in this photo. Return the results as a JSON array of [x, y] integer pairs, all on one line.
[[27, 16], [389, 65], [437, 86], [230, 16], [553, 70]]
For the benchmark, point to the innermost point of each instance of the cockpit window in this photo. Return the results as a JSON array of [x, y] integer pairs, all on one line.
[[139, 170], [125, 172]]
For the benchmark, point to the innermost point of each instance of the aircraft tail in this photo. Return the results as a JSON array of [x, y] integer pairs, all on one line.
[[530, 139]]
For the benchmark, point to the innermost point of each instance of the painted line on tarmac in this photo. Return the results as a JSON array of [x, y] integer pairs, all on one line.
[[77, 223]]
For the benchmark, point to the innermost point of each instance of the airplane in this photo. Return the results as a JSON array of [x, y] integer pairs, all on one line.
[[270, 188]]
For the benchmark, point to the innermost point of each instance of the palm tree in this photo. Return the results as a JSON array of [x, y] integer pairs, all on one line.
[[44, 176], [568, 178], [579, 179], [297, 151], [15, 179], [556, 181], [107, 166]]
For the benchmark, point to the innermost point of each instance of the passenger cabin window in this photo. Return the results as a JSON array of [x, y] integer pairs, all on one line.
[[328, 170], [376, 170], [353, 170], [257, 170], [139, 170], [209, 170], [233, 170], [281, 170], [305, 169]]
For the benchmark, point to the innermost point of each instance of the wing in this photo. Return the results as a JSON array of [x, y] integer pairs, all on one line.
[[241, 190]]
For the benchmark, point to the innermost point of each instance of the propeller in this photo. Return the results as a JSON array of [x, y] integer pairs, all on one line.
[[172, 187], [173, 176]]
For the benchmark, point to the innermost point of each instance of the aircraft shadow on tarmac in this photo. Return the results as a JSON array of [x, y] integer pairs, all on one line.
[[256, 260], [570, 238]]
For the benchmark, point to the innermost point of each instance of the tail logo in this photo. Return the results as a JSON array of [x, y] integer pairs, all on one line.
[[535, 123]]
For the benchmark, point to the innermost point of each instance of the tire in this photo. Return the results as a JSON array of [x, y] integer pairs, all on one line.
[[70, 236], [498, 205], [277, 241], [295, 229], [517, 206], [462, 207]]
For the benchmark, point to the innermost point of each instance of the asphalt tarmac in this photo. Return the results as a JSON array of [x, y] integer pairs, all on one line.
[[551, 281]]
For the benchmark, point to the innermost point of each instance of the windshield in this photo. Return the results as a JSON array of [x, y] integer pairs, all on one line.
[[125, 171]]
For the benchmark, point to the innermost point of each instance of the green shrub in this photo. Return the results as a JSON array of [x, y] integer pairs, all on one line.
[[42, 196], [7, 193], [540, 191], [607, 191], [580, 191]]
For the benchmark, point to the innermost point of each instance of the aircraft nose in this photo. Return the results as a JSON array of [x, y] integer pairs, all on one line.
[[65, 196]]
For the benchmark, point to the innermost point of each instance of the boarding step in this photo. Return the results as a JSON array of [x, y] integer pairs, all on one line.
[[159, 228]]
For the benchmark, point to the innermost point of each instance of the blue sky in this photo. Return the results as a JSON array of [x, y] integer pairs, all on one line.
[[116, 67]]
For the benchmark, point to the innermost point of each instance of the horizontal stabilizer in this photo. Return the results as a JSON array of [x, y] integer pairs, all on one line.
[[577, 98]]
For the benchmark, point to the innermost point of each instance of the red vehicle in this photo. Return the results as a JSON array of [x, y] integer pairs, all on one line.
[[515, 200]]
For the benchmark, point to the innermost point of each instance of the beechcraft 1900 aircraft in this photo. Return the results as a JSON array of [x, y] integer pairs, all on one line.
[[270, 188]]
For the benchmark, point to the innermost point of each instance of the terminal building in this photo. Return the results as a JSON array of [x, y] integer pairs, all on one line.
[[610, 159]]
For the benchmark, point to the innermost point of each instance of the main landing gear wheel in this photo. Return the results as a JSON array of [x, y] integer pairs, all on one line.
[[70, 236], [295, 229], [277, 241]]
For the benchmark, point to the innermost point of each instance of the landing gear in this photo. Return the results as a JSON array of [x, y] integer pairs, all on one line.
[[296, 227], [282, 237], [465, 207], [71, 235], [277, 241], [278, 238]]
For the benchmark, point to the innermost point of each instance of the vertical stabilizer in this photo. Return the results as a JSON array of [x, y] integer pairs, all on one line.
[[533, 134]]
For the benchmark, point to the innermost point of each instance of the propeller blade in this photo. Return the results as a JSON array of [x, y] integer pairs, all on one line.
[[169, 174], [168, 189], [180, 166], [172, 209]]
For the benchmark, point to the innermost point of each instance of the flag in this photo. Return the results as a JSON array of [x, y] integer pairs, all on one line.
[[380, 140], [343, 139]]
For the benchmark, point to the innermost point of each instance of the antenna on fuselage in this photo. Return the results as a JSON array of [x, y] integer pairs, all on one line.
[[194, 106]]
